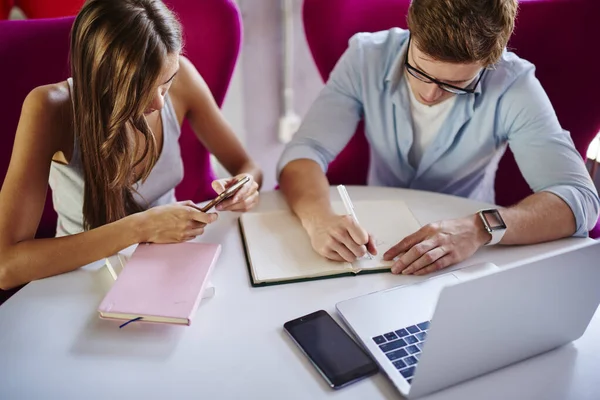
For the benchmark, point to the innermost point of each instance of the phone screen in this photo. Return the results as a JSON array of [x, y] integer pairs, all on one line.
[[338, 358]]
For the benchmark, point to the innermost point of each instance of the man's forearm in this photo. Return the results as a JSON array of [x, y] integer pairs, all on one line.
[[306, 190], [540, 217]]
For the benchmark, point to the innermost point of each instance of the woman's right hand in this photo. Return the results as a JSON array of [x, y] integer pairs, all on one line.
[[173, 223]]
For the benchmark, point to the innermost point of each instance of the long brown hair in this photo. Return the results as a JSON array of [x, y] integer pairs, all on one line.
[[118, 48]]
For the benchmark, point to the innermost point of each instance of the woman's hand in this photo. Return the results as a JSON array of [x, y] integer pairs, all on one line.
[[243, 200], [173, 223]]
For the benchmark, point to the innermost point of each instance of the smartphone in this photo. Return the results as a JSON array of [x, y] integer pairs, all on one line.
[[225, 194], [337, 357]]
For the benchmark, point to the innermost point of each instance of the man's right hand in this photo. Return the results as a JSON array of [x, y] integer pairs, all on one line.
[[340, 238]]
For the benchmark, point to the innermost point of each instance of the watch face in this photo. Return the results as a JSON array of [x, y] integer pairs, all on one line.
[[493, 219]]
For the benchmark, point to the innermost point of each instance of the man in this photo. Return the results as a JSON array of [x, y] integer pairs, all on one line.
[[440, 102]]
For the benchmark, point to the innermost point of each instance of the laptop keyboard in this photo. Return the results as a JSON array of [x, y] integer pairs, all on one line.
[[403, 347]]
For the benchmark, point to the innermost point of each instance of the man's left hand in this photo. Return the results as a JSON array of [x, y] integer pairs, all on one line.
[[438, 245]]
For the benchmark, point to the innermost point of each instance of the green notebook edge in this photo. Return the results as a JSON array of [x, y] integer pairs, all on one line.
[[298, 280]]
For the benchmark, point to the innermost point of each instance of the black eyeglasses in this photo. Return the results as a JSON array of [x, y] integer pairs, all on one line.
[[423, 77]]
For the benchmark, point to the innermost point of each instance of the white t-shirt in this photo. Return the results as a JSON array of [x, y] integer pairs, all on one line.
[[427, 121]]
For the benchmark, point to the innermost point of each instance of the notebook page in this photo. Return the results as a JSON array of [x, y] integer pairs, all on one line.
[[387, 221], [280, 249]]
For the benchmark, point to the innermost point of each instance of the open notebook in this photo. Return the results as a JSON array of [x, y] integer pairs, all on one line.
[[278, 249], [161, 283]]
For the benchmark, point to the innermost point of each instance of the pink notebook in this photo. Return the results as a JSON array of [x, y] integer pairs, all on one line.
[[161, 283]]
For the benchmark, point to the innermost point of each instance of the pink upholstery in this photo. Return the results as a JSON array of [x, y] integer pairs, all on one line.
[[556, 35], [49, 9], [36, 53], [5, 7]]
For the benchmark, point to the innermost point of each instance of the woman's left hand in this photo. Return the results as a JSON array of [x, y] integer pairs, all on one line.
[[243, 200]]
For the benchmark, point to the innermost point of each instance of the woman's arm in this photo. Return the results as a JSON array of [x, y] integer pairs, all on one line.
[[40, 135], [208, 123]]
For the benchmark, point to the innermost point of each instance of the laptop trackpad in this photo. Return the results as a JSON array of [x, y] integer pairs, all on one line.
[[390, 310]]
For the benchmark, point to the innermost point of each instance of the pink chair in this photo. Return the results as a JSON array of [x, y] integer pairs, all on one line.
[[49, 9], [5, 7], [536, 39]]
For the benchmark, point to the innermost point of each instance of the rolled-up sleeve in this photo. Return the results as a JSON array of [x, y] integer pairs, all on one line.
[[331, 120], [545, 153]]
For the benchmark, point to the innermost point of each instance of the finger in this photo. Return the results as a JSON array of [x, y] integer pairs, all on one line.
[[358, 234], [333, 256], [371, 246], [194, 232], [189, 203], [244, 204], [243, 193], [425, 260], [405, 244], [412, 255], [195, 224], [342, 250], [199, 216], [343, 236], [218, 185], [439, 264]]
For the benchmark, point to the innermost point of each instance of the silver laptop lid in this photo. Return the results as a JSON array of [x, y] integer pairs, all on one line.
[[493, 321]]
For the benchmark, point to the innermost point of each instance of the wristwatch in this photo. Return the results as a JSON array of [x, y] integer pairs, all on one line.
[[493, 223]]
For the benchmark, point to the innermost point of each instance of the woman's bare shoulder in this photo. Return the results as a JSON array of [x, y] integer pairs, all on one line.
[[49, 108]]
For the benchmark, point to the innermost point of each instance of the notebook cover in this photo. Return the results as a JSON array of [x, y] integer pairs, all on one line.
[[253, 283], [162, 280]]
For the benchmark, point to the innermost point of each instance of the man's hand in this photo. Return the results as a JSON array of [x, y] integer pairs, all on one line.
[[438, 245], [340, 238]]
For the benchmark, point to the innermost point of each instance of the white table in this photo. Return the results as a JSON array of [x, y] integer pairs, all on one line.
[[54, 346]]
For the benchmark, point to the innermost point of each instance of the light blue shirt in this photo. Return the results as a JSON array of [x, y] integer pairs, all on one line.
[[509, 107]]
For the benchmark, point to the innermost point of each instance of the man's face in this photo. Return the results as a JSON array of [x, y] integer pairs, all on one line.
[[460, 75]]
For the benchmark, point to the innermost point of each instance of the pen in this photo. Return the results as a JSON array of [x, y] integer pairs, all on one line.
[[349, 206]]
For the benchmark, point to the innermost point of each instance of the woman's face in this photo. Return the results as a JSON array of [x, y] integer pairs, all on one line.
[[168, 72]]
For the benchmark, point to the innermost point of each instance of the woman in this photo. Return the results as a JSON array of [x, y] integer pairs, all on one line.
[[107, 138]]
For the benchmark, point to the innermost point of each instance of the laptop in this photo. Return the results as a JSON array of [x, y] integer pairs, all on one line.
[[448, 329]]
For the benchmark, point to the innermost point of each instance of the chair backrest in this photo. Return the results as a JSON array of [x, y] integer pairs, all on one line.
[[34, 9], [554, 51], [328, 41], [566, 62], [213, 35], [5, 7], [35, 53]]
